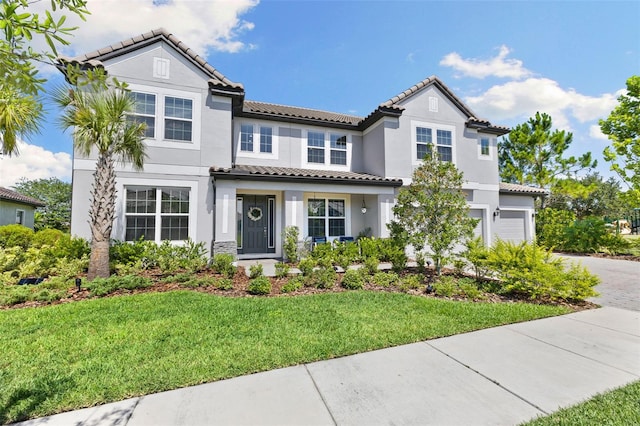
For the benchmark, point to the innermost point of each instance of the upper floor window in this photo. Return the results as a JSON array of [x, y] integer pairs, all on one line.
[[339, 149], [145, 112], [484, 147], [256, 140], [246, 137], [327, 149], [266, 141], [178, 115], [315, 147], [172, 116], [433, 136]]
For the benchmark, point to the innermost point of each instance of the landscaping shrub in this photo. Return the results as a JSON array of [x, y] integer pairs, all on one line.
[[584, 236], [370, 247], [349, 251], [550, 226], [445, 286], [469, 288], [371, 265], [256, 271], [290, 247], [616, 244], [260, 285], [46, 237], [15, 236], [103, 286], [282, 270], [129, 252], [385, 279], [343, 261], [189, 256], [323, 251], [534, 271], [477, 254], [411, 282], [222, 263], [398, 259], [71, 247], [294, 284], [322, 278], [306, 266], [353, 280], [223, 284], [196, 282]]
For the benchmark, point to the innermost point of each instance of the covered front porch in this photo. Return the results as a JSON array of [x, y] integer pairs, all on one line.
[[252, 212]]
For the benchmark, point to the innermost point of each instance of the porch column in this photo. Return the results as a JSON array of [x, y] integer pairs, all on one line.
[[385, 214], [225, 218], [294, 210]]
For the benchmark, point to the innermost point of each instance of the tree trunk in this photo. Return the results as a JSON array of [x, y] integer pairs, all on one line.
[[101, 215], [99, 260]]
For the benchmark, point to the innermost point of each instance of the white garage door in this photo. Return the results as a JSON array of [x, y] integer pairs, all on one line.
[[477, 214], [511, 226]]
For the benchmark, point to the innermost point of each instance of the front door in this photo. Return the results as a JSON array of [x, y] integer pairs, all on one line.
[[258, 222]]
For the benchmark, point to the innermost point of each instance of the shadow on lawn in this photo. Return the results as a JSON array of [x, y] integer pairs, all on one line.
[[20, 403]]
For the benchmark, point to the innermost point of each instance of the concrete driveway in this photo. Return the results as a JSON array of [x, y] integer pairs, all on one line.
[[620, 286]]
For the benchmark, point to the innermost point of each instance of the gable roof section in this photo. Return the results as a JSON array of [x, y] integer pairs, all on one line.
[[513, 188], [301, 175], [472, 121], [95, 59], [9, 195]]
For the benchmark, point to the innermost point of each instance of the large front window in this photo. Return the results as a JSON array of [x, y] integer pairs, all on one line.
[[326, 217], [156, 214]]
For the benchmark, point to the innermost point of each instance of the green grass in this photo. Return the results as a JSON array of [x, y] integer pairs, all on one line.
[[617, 407], [74, 355]]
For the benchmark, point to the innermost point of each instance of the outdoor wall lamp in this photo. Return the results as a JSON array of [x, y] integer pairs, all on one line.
[[497, 212], [363, 209]]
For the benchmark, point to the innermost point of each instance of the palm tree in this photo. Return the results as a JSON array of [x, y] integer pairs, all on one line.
[[20, 114], [99, 121]]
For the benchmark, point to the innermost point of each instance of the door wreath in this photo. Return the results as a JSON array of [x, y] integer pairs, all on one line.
[[255, 213]]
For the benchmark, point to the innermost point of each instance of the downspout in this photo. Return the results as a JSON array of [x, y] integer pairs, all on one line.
[[213, 240]]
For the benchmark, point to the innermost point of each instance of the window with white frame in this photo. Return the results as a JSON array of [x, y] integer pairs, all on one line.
[[145, 112], [315, 147], [484, 147], [156, 214], [326, 217], [266, 139], [428, 137], [331, 149], [338, 149], [20, 217], [246, 137], [171, 116]]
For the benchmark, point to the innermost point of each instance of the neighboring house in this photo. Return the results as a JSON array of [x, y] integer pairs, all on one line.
[[233, 173], [17, 208]]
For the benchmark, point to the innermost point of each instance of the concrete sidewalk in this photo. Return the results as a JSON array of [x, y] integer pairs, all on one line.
[[503, 375]]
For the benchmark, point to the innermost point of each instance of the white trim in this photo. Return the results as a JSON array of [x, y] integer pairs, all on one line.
[[271, 218], [161, 68], [119, 228], [164, 169], [294, 210], [161, 92], [492, 147], [327, 150], [481, 186], [225, 213], [434, 138], [24, 216], [275, 139], [326, 196]]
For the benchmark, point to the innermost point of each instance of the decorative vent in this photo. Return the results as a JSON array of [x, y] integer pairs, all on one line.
[[433, 104], [161, 68]]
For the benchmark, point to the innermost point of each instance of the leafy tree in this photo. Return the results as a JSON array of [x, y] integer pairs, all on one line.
[[98, 116], [596, 197], [20, 82], [623, 129], [532, 154], [432, 214], [56, 195]]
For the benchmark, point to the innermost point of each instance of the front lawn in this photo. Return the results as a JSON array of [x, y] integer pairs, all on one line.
[[74, 355], [619, 407]]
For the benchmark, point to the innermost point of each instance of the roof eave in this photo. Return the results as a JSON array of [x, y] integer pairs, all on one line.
[[488, 128], [235, 175], [379, 113], [297, 120]]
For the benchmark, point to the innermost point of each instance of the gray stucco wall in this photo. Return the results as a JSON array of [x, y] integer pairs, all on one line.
[[8, 211]]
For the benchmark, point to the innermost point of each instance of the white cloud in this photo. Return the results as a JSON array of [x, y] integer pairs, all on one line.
[[596, 133], [522, 99], [498, 66], [201, 25], [34, 162]]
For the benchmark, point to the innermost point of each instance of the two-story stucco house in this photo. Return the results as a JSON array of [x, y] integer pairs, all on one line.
[[233, 173]]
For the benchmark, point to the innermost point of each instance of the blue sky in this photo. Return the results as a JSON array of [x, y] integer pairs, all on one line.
[[506, 60]]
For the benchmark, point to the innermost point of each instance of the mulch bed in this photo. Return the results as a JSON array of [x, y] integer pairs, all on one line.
[[241, 284]]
